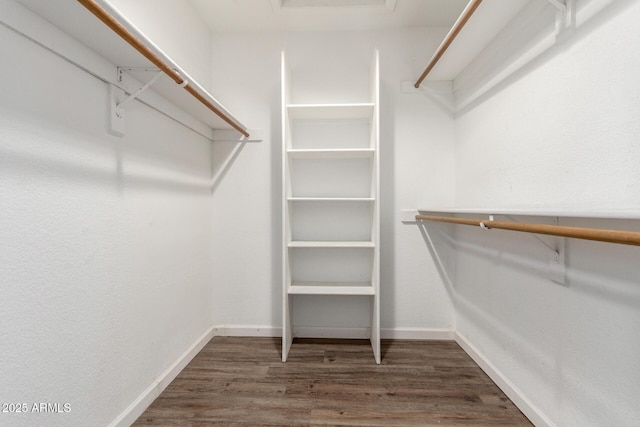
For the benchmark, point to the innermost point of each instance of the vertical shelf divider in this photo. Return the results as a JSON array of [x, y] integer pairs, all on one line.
[[375, 193], [287, 309]]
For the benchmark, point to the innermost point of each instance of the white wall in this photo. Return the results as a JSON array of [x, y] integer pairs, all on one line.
[[560, 133], [328, 67], [106, 242], [567, 138]]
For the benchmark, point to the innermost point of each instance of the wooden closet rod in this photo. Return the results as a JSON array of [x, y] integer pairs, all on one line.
[[453, 33], [93, 7], [600, 235]]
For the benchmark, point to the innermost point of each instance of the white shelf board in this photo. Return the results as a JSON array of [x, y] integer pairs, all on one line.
[[330, 111], [331, 288], [631, 213], [331, 199], [331, 244], [73, 19], [339, 153]]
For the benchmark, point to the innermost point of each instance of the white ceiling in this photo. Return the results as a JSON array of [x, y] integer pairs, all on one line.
[[227, 16]]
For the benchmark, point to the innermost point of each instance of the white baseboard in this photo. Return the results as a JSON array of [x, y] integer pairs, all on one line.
[[332, 332], [417, 334], [247, 331], [298, 332], [537, 417], [126, 418], [364, 333]]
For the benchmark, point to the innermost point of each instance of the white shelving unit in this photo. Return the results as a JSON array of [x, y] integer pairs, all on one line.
[[331, 202]]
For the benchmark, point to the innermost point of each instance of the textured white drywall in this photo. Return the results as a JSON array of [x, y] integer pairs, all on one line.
[[560, 133], [105, 250], [568, 136], [416, 166]]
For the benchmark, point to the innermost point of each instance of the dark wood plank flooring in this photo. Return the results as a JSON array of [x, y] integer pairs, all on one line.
[[241, 381]]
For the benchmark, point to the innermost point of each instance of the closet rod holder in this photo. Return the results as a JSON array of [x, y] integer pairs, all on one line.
[[595, 234], [450, 37], [97, 10]]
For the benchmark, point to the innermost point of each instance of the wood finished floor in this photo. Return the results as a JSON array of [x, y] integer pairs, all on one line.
[[242, 382]]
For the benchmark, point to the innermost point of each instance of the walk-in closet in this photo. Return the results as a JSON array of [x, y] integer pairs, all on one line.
[[319, 212]]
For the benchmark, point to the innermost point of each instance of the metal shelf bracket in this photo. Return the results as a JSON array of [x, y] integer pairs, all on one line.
[[116, 123], [135, 94], [557, 262]]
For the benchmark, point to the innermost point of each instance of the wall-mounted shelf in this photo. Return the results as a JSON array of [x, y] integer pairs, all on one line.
[[557, 258], [345, 153], [487, 21], [631, 213], [330, 244], [69, 30], [331, 199], [331, 288], [501, 37]]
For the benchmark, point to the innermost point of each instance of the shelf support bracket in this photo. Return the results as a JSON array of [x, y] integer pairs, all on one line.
[[559, 5], [557, 262], [565, 18], [116, 121], [117, 103], [135, 94]]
